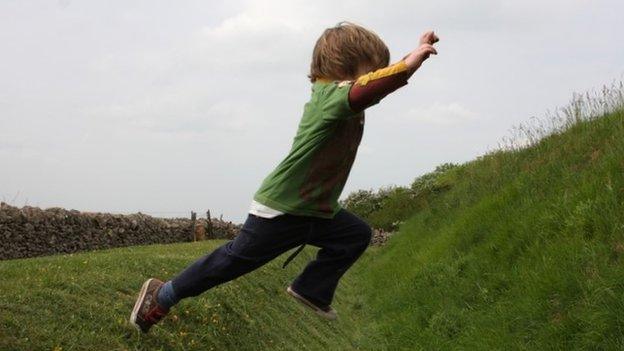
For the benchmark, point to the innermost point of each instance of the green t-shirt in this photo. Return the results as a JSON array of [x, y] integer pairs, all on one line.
[[310, 179]]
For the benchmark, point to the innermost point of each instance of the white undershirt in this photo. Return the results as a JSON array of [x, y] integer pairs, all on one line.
[[261, 210]]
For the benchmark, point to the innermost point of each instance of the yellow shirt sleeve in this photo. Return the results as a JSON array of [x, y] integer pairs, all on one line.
[[382, 72]]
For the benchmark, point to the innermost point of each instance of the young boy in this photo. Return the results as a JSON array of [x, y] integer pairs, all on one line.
[[296, 204]]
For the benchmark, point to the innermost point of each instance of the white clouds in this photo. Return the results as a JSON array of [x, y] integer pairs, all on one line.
[[253, 22], [254, 38], [451, 114]]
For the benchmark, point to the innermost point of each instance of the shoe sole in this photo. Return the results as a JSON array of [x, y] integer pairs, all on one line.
[[138, 303], [304, 301]]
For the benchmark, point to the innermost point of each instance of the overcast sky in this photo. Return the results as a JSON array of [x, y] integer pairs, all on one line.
[[165, 107]]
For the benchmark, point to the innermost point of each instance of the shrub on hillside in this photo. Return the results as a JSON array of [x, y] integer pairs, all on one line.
[[387, 207], [433, 182]]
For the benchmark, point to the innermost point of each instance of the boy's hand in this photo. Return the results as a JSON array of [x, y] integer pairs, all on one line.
[[429, 37], [414, 59]]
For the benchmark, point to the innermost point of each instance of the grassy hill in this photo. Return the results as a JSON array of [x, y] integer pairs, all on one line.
[[521, 249]]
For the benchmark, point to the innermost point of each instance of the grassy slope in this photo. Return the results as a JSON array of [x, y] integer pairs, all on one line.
[[83, 301], [525, 251]]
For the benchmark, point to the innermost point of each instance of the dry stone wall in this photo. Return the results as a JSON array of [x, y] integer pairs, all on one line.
[[31, 231]]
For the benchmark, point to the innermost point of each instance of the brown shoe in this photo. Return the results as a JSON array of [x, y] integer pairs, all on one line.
[[324, 311], [147, 311]]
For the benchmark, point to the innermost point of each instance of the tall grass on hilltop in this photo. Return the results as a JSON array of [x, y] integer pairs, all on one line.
[[583, 107]]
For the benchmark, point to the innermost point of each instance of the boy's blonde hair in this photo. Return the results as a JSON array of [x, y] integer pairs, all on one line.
[[340, 50]]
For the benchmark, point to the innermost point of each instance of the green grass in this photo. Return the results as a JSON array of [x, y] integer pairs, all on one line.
[[83, 301], [524, 252], [520, 249]]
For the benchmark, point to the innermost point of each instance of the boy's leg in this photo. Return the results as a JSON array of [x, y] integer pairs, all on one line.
[[342, 240], [259, 241]]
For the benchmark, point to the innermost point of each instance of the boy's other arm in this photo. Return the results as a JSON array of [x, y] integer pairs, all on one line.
[[370, 88]]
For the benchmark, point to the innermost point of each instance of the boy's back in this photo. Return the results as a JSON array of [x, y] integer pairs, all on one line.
[[311, 177]]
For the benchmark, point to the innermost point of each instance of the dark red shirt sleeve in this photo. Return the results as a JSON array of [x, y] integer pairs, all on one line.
[[370, 88]]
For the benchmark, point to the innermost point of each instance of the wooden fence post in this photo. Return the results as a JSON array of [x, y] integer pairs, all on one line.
[[193, 219], [209, 225]]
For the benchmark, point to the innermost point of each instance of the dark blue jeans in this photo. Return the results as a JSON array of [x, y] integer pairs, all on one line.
[[341, 239]]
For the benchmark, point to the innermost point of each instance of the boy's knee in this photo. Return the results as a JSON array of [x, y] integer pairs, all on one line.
[[365, 235], [369, 235]]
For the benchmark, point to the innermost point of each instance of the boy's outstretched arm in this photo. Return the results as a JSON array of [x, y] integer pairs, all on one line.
[[370, 88]]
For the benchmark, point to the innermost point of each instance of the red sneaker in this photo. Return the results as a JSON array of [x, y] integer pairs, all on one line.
[[324, 311], [147, 311]]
